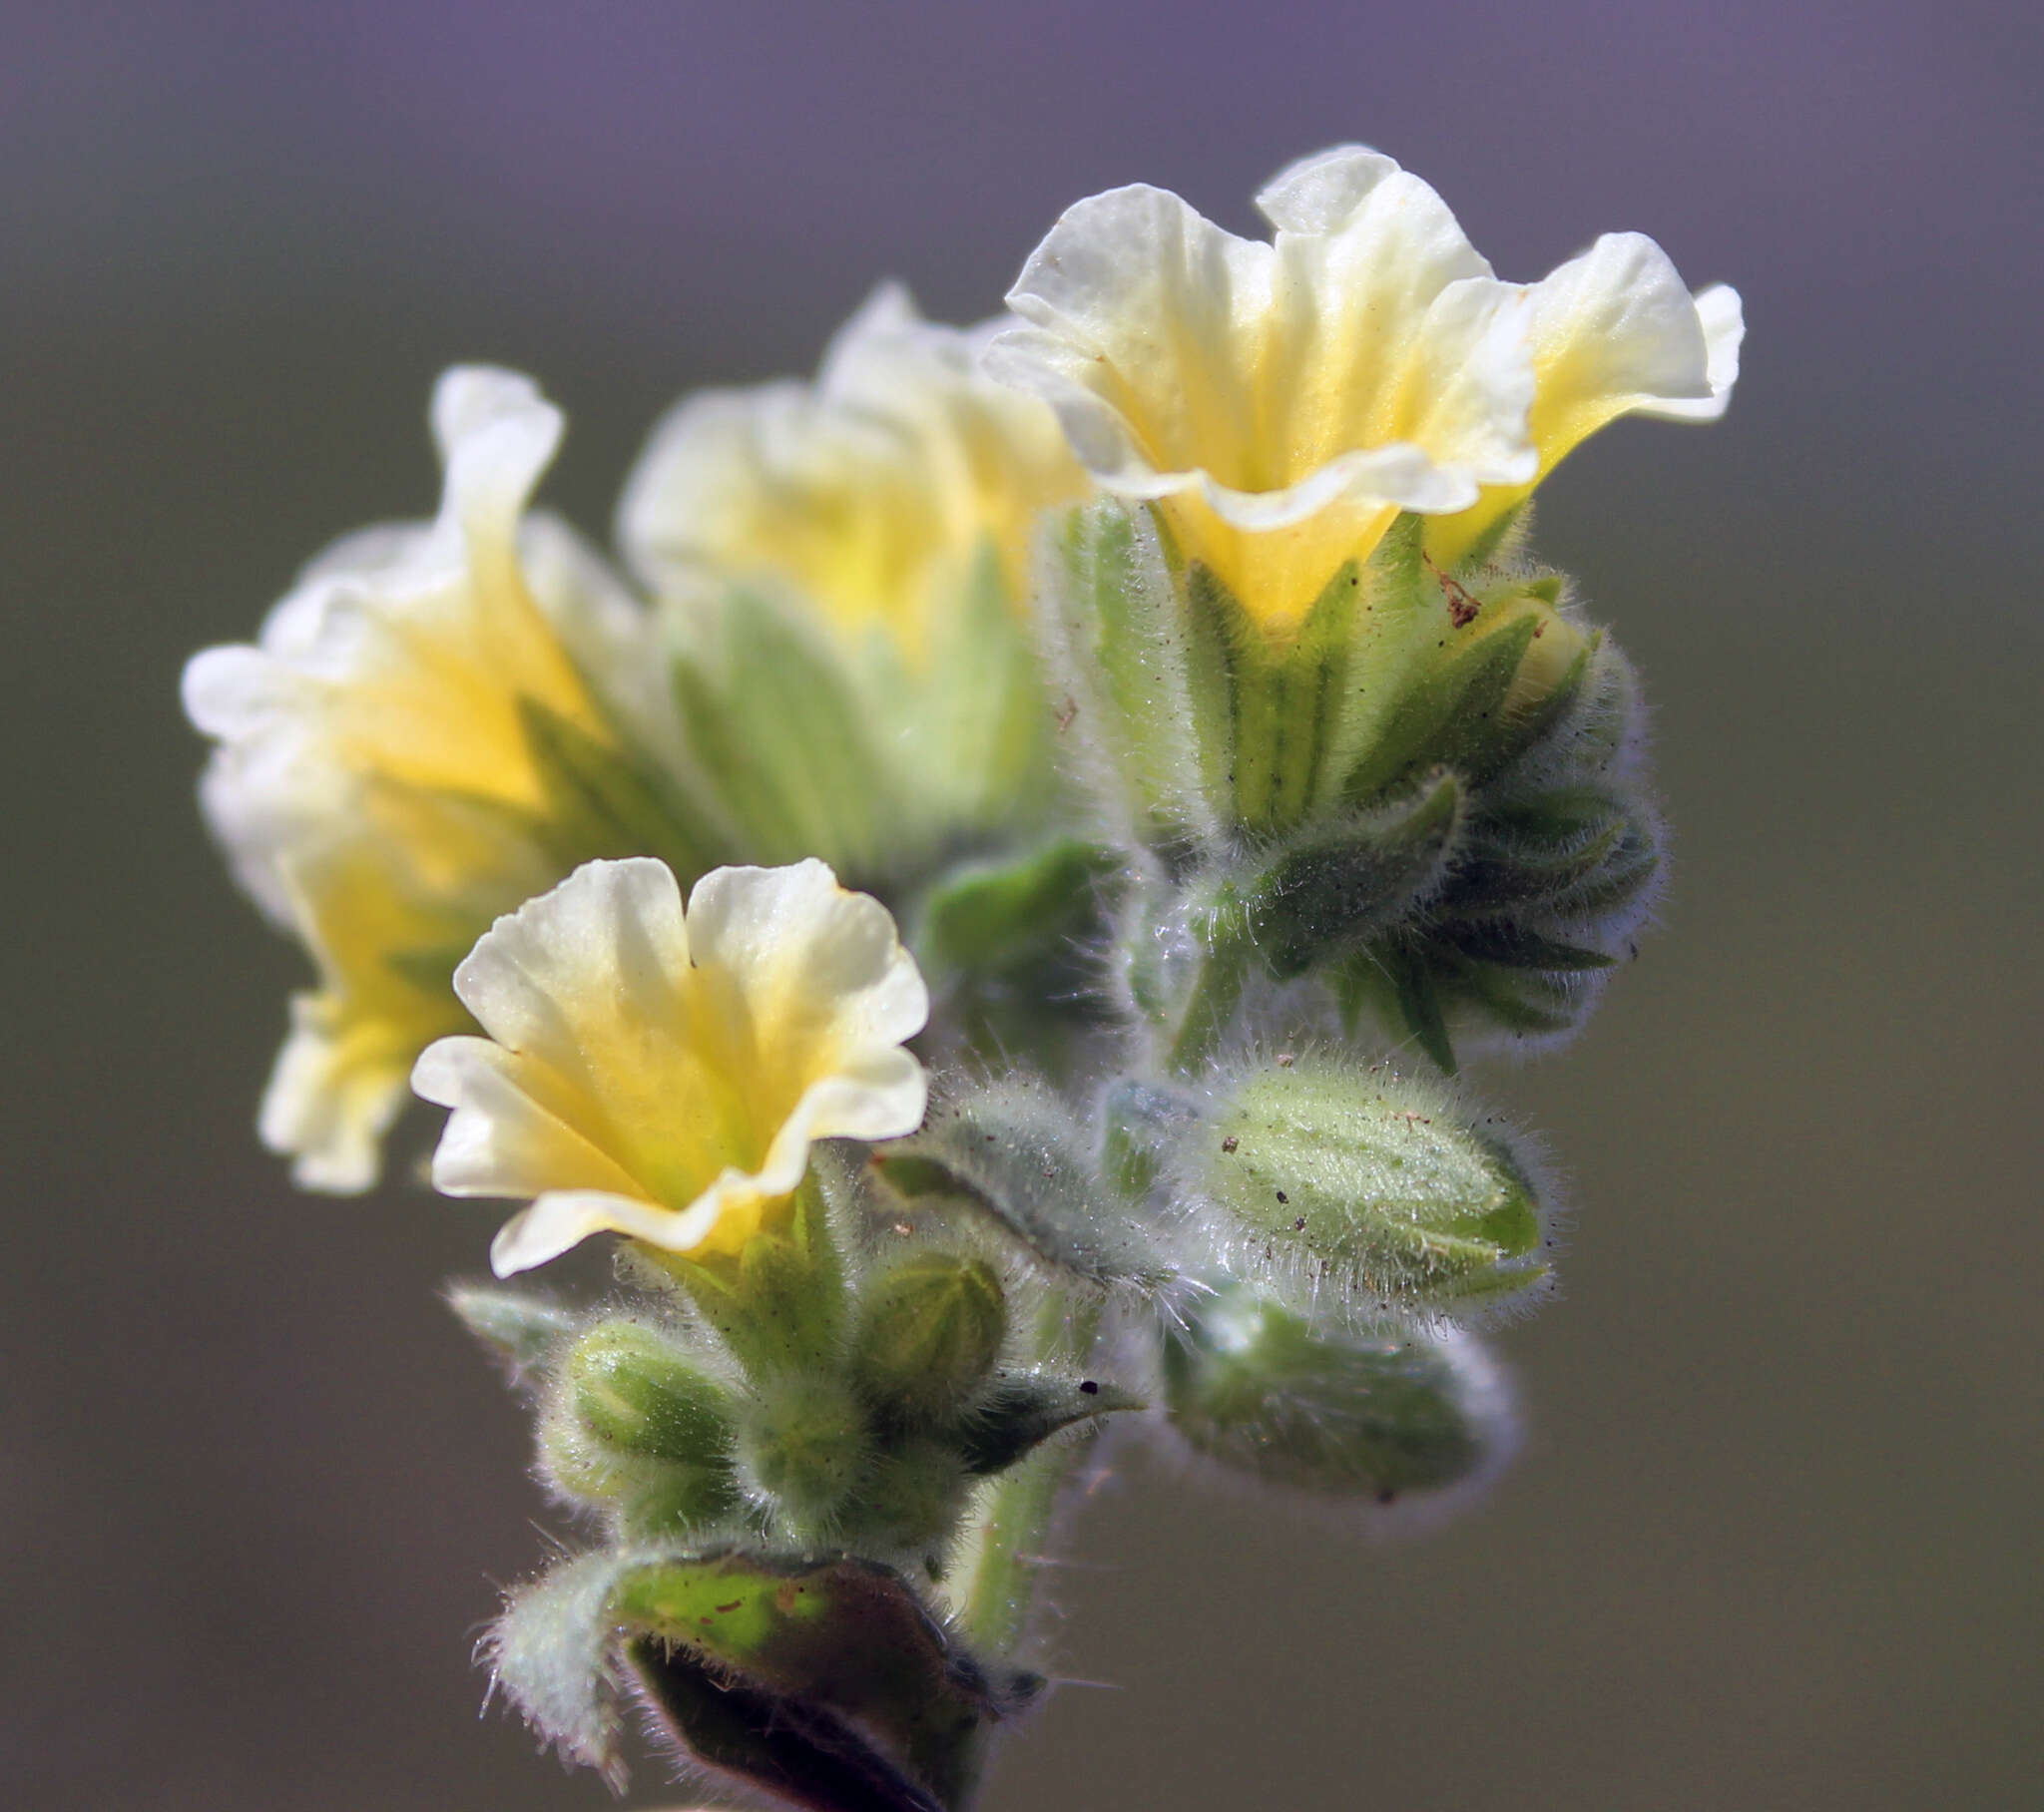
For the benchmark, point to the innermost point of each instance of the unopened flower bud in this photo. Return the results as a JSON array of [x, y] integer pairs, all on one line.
[[802, 1450], [1355, 1191], [930, 1330], [636, 1425], [635, 1392], [1252, 1386], [913, 1494]]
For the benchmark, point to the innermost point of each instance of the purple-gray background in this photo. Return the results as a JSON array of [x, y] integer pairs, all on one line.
[[1772, 1541]]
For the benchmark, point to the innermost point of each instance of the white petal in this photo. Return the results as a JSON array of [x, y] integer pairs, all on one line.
[[1616, 332], [563, 1218], [879, 1095], [1723, 320], [805, 950], [326, 1108], [496, 435], [612, 926], [878, 328], [499, 1137], [1320, 193], [237, 691], [1153, 317]]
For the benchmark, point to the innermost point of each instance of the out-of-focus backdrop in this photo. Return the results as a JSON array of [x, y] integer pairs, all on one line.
[[1774, 1539]]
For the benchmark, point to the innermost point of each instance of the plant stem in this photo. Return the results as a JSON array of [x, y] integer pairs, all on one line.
[[1015, 1513], [1208, 1009]]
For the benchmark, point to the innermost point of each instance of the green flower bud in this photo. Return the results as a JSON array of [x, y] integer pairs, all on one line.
[[1252, 1386], [1356, 1191], [929, 1332], [803, 1448], [913, 1498], [1555, 871], [637, 1393], [651, 1500], [633, 1423]]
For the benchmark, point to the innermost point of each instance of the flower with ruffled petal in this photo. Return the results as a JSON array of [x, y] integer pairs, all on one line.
[[662, 1074], [844, 565], [1614, 331], [1281, 403], [382, 780], [868, 494]]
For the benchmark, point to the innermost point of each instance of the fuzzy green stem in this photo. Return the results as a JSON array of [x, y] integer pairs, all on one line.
[[1016, 1512], [1209, 1008]]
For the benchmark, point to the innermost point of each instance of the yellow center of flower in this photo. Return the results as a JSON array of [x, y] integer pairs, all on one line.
[[664, 1077], [871, 496]]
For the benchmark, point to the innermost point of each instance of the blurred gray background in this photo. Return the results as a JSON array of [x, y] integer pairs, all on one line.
[[1774, 1540]]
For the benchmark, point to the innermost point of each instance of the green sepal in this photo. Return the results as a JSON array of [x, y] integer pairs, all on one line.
[[1399, 974], [774, 719], [825, 1681], [1252, 1385], [926, 1333], [1010, 1156], [1452, 716], [913, 1498], [1514, 947], [606, 802], [1285, 693], [854, 1694], [1025, 1409], [1013, 948], [1127, 685], [522, 1330], [1544, 895], [778, 1303], [1010, 917], [795, 1753], [1521, 852], [973, 723], [1314, 899]]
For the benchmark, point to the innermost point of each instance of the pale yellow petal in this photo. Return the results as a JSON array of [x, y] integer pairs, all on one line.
[[1279, 403], [681, 1065], [863, 498], [376, 785], [1614, 332]]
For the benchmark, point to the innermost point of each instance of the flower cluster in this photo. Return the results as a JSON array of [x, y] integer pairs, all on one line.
[[1210, 765]]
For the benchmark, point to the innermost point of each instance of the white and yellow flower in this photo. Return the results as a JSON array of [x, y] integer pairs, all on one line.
[[376, 784], [1281, 403], [662, 1074], [845, 566], [867, 497]]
